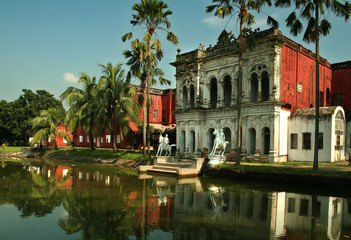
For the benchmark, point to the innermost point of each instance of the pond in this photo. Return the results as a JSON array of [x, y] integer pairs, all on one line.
[[68, 201]]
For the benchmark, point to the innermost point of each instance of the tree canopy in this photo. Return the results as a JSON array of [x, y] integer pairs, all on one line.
[[15, 117]]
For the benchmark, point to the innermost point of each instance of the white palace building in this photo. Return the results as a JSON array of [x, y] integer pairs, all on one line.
[[278, 100]]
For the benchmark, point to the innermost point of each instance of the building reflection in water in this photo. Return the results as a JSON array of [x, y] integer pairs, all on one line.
[[190, 208], [214, 212]]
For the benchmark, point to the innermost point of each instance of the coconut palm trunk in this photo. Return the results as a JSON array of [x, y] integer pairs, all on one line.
[[239, 93], [91, 136], [148, 96], [113, 131], [144, 116], [316, 137]]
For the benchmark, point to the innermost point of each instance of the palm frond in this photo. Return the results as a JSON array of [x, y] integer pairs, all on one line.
[[127, 36], [272, 22]]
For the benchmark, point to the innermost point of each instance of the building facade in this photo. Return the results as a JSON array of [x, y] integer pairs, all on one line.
[[278, 76]]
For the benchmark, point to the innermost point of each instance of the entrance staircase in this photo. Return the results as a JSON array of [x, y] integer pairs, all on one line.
[[171, 165]]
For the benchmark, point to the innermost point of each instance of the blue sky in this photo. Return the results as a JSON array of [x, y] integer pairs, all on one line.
[[46, 44]]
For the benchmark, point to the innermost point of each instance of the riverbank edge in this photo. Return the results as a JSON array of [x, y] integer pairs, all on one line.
[[253, 175], [61, 155], [314, 179]]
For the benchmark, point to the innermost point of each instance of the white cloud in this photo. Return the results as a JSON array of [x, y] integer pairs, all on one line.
[[215, 22], [70, 77]]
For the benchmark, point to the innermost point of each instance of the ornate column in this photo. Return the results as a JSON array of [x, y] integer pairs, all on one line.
[[258, 137], [274, 139], [179, 124], [244, 136], [186, 140]]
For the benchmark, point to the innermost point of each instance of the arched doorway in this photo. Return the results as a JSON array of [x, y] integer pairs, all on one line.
[[192, 141], [227, 91], [214, 93], [182, 141], [185, 97], [265, 86], [251, 141], [254, 88], [266, 141]]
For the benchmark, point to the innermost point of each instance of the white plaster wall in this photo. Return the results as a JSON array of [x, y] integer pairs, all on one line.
[[348, 140], [302, 124], [283, 143]]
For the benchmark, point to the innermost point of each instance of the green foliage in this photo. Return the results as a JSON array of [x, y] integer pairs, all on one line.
[[15, 117], [45, 126], [116, 104], [307, 10], [83, 106], [6, 148]]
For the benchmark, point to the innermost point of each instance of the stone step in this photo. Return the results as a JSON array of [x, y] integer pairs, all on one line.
[[164, 170], [177, 164], [168, 168]]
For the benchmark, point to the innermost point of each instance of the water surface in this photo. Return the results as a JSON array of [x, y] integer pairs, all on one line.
[[65, 201]]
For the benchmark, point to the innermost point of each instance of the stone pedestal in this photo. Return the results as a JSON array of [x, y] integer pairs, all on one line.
[[216, 159]]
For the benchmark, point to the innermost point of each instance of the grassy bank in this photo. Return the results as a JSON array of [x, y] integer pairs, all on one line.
[[293, 168], [97, 154], [296, 174], [10, 149]]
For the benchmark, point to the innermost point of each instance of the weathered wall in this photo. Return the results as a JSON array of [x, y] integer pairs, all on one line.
[[299, 68], [341, 84]]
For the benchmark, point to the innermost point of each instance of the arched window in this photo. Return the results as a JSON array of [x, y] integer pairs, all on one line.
[[228, 137], [266, 141], [265, 86], [227, 91], [328, 103], [185, 97], [192, 141], [182, 141], [192, 96], [213, 93], [251, 141], [210, 139], [254, 88]]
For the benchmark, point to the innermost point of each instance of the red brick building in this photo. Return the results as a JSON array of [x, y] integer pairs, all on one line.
[[298, 73], [341, 85]]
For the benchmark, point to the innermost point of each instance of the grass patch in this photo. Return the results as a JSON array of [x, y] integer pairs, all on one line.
[[10, 149], [98, 154]]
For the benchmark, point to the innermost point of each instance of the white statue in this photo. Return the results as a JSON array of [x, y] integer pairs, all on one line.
[[164, 146], [219, 142]]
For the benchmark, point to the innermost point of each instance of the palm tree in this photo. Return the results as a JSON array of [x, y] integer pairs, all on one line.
[[117, 106], [310, 10], [138, 68], [242, 9], [45, 126], [83, 106], [152, 15]]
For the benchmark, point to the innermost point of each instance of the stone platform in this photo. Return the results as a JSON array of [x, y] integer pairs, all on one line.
[[171, 165]]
